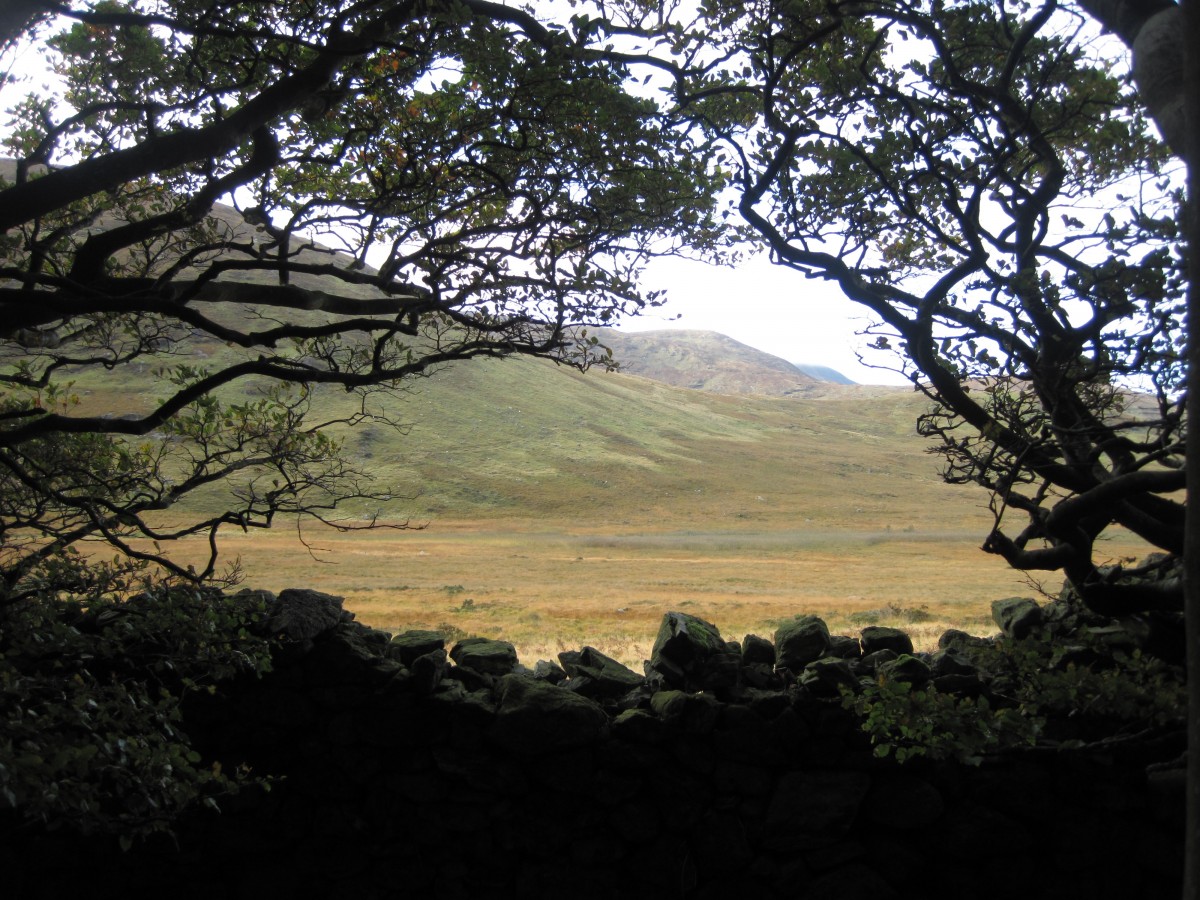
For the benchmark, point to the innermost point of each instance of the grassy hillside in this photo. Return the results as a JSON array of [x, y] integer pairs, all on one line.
[[527, 439]]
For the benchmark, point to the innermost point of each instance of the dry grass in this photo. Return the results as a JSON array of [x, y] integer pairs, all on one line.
[[552, 587]]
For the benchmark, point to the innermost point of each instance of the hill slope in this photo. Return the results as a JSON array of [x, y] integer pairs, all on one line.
[[707, 361], [524, 439]]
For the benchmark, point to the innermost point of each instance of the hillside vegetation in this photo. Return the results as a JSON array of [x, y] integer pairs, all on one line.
[[556, 509]]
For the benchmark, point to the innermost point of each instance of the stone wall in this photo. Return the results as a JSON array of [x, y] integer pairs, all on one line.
[[400, 772]]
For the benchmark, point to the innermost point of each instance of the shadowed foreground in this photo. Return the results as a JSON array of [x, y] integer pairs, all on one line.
[[726, 770]]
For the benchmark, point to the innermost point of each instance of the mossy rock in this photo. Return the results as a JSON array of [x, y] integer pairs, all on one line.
[[881, 637], [801, 641]]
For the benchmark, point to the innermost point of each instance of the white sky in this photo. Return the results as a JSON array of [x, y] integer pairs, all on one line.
[[768, 307]]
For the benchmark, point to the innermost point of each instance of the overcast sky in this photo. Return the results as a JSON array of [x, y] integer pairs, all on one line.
[[774, 309]]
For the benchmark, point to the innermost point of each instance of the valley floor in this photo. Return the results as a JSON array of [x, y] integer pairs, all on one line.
[[548, 587]]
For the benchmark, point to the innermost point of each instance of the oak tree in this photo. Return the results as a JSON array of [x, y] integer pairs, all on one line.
[[404, 185], [982, 179]]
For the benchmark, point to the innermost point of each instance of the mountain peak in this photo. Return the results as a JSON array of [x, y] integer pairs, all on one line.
[[714, 362]]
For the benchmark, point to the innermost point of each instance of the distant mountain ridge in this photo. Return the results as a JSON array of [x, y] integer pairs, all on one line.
[[824, 373], [713, 362]]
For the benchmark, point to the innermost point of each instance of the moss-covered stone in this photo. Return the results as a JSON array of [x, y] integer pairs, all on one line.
[[803, 640], [409, 645], [690, 654], [827, 677], [485, 656]]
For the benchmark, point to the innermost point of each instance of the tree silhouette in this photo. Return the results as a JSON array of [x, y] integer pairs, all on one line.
[[410, 185], [980, 178]]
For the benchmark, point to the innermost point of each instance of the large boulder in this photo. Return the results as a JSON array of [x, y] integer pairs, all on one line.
[[485, 656], [601, 677], [349, 654], [827, 677], [410, 645], [300, 615], [757, 651], [758, 664], [801, 641], [953, 638], [881, 637], [690, 654], [547, 670], [952, 661], [844, 647], [428, 671], [954, 672]]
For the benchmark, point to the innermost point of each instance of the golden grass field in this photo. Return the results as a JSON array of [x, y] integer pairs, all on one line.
[[552, 588]]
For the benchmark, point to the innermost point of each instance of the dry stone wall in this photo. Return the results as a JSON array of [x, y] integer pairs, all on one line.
[[727, 771]]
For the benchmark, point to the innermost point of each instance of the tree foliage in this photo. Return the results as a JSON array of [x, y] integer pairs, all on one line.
[[1045, 690], [982, 178], [414, 183], [91, 728]]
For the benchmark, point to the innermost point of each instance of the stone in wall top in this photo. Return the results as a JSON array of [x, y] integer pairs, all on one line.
[[301, 615]]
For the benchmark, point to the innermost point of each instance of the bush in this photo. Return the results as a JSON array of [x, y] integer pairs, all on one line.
[[90, 692], [908, 615], [1096, 690], [1042, 690], [909, 722]]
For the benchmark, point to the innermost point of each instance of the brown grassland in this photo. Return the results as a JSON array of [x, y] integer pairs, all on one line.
[[552, 589]]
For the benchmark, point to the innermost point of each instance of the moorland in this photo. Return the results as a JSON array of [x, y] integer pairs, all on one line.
[[555, 508]]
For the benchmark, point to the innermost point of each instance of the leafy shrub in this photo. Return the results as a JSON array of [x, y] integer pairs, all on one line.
[[1057, 691], [90, 692], [908, 722], [1123, 690]]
